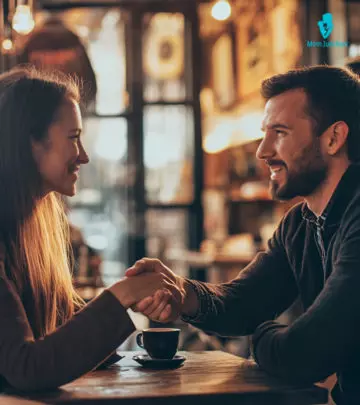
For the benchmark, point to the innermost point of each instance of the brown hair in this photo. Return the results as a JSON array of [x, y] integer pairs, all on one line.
[[333, 94], [34, 227]]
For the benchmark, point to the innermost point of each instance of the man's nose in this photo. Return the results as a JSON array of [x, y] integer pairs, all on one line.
[[265, 149]]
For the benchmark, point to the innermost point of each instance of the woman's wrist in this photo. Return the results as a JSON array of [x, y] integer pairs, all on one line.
[[121, 290]]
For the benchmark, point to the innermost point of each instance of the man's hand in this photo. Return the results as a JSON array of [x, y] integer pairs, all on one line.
[[166, 304]]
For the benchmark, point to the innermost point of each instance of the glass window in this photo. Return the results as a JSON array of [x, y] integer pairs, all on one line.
[[167, 236], [168, 154], [100, 207], [108, 55]]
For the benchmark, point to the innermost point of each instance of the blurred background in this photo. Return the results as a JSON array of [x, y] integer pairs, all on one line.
[[172, 123]]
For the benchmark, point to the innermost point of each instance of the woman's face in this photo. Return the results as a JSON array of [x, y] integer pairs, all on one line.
[[59, 156]]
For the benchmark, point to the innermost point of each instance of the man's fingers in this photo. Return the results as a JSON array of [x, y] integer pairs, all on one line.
[[138, 268], [143, 265], [132, 271]]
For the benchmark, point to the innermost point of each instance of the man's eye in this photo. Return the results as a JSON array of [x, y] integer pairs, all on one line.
[[279, 132], [76, 137]]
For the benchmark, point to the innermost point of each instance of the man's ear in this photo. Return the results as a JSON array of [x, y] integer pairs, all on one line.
[[336, 137]]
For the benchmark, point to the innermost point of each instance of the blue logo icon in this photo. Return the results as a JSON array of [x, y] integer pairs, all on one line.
[[326, 25]]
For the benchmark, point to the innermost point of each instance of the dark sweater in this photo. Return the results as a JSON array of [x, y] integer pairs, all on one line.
[[324, 339], [72, 350]]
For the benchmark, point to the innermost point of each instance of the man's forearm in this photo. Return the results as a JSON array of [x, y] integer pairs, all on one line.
[[191, 302]]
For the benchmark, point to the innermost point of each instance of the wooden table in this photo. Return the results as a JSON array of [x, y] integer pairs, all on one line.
[[210, 377]]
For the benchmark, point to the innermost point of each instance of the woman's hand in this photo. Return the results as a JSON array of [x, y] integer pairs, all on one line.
[[151, 285]]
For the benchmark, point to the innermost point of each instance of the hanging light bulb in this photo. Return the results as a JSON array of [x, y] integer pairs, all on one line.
[[23, 20], [7, 45], [221, 10]]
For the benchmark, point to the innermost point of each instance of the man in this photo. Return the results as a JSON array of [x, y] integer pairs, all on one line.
[[311, 143]]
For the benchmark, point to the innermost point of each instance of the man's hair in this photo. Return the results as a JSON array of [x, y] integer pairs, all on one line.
[[333, 94]]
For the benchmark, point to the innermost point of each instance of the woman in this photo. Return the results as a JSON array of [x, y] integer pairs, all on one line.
[[43, 344]]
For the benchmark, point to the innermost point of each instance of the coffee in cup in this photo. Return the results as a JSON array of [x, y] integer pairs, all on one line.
[[160, 343]]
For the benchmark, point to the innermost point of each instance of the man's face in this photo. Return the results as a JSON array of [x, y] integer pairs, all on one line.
[[290, 147]]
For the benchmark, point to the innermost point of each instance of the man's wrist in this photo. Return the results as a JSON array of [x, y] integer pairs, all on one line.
[[191, 303]]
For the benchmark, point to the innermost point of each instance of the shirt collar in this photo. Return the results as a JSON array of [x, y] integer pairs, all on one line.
[[340, 199]]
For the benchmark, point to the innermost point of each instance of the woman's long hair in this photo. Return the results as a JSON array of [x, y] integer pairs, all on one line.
[[34, 227]]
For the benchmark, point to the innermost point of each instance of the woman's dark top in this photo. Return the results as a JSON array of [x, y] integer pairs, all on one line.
[[72, 350]]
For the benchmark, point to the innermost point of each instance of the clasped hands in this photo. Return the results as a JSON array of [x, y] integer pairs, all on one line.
[[165, 305]]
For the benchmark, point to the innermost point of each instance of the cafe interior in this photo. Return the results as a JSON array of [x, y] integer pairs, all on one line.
[[171, 125]]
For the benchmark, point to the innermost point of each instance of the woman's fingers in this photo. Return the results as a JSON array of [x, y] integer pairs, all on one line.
[[153, 311], [158, 299], [165, 315], [143, 304]]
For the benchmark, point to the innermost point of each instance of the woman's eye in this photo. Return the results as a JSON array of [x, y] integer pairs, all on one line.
[[75, 137]]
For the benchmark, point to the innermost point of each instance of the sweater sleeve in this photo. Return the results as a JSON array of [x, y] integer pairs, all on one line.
[[64, 355], [323, 339], [261, 291]]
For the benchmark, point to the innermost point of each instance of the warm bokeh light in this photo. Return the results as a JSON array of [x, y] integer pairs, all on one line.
[[82, 31], [7, 45], [221, 10], [111, 141], [108, 57], [23, 20], [247, 128], [354, 50], [219, 138], [233, 131]]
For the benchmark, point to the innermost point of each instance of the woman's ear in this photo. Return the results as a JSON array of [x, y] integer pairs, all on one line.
[[37, 149]]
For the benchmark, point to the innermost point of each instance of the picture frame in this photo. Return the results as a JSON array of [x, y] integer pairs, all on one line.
[[223, 71], [253, 52]]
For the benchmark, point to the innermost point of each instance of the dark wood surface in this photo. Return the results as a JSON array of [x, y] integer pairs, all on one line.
[[210, 377]]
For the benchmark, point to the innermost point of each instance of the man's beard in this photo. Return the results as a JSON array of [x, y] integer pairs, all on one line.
[[308, 172]]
